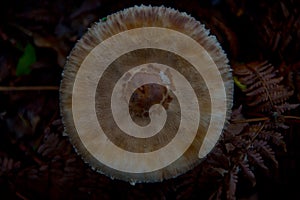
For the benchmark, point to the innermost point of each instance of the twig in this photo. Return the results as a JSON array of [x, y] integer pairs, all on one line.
[[250, 120], [262, 119], [18, 194], [27, 88], [291, 117]]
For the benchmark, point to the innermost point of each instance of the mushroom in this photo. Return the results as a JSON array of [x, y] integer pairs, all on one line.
[[146, 94]]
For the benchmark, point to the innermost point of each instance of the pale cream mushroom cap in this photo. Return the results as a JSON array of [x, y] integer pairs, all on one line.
[[146, 94]]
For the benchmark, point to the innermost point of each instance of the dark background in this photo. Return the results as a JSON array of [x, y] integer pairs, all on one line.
[[37, 161]]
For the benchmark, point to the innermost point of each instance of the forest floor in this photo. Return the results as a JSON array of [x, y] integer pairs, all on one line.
[[36, 36]]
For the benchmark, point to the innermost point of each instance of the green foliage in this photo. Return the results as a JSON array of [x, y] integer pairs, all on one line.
[[26, 60], [239, 84]]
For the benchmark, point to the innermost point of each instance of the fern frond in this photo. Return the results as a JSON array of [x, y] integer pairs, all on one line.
[[276, 96], [273, 137], [254, 88], [264, 92], [285, 107], [275, 126], [247, 172], [280, 96], [265, 150], [232, 179], [217, 158], [249, 79], [7, 165], [256, 159], [241, 142]]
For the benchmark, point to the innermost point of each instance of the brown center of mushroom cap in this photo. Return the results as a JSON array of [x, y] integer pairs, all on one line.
[[143, 98]]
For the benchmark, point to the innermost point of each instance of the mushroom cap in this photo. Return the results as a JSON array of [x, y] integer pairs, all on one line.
[[146, 94]]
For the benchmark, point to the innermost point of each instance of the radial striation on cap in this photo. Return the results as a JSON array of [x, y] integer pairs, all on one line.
[[146, 94]]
